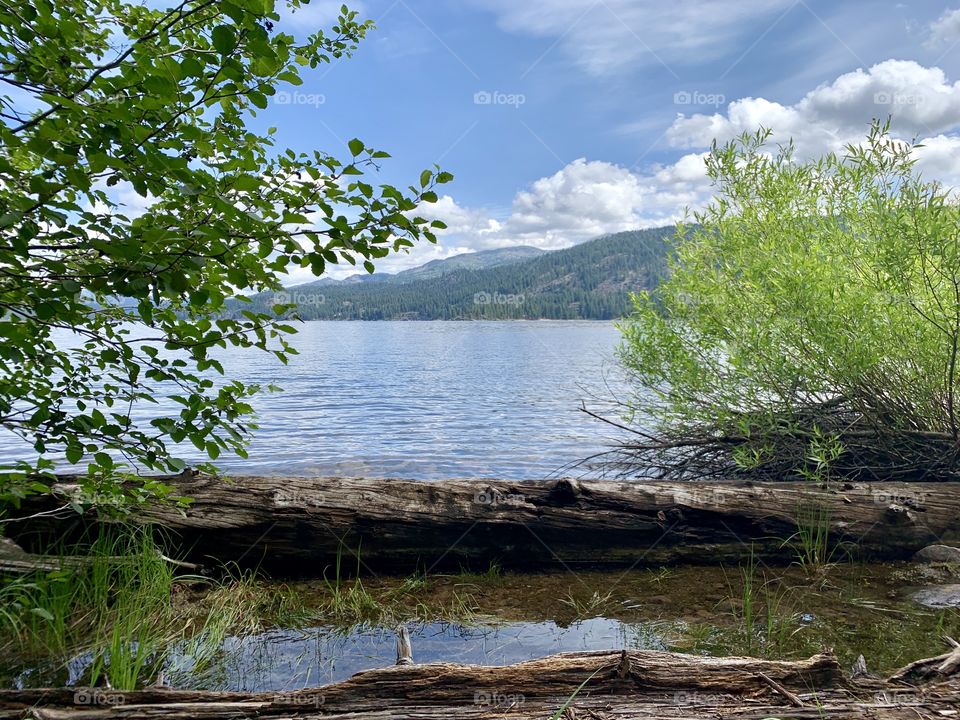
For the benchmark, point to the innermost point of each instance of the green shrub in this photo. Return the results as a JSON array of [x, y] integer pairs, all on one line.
[[809, 325]]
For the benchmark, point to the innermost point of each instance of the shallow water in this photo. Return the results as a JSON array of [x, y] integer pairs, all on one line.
[[286, 660], [788, 613]]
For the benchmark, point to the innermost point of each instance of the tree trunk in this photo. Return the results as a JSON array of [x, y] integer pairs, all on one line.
[[597, 685], [297, 525]]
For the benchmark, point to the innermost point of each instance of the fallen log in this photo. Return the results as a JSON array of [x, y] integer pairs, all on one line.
[[298, 525], [598, 685], [16, 561], [926, 669]]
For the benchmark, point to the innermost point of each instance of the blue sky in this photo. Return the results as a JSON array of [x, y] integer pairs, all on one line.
[[564, 119]]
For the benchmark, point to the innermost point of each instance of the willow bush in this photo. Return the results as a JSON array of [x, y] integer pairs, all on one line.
[[808, 327]]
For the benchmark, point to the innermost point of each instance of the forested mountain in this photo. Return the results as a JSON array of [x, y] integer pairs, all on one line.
[[435, 268], [590, 281], [469, 261]]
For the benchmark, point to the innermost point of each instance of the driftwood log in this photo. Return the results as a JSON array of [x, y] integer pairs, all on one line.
[[297, 525], [598, 686], [16, 561]]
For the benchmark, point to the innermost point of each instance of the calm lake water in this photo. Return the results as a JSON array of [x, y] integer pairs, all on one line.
[[426, 400]]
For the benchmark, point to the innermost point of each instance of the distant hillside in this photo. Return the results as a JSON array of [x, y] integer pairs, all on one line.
[[469, 261], [589, 281], [436, 268]]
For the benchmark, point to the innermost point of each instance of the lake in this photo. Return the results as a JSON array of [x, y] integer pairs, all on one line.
[[425, 400]]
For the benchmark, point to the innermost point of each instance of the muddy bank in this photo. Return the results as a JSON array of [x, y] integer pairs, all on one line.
[[299, 525]]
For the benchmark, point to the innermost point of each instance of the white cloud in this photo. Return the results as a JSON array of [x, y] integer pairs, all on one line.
[[939, 159], [127, 200], [945, 29], [459, 219], [921, 101], [583, 200], [605, 35], [586, 199]]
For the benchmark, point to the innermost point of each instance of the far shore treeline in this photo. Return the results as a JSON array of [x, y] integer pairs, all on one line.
[[590, 281]]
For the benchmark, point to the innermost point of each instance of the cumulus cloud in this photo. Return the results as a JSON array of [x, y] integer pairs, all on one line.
[[586, 199], [459, 219], [583, 200], [920, 100], [945, 29], [939, 159], [605, 35]]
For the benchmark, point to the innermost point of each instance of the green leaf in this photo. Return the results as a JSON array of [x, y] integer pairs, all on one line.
[[230, 210], [103, 459], [224, 39]]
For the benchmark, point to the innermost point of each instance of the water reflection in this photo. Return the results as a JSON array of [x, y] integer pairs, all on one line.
[[294, 659]]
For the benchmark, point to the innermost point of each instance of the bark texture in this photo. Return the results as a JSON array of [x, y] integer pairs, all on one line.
[[297, 525], [627, 684]]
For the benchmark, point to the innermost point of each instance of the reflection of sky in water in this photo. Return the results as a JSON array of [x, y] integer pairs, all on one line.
[[294, 659]]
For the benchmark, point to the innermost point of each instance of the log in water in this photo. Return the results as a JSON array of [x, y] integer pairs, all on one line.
[[298, 525], [604, 685]]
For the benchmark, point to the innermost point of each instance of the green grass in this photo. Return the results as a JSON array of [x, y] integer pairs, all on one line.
[[134, 618], [129, 600], [563, 708], [811, 542], [112, 600], [763, 621], [587, 607], [747, 603], [347, 602]]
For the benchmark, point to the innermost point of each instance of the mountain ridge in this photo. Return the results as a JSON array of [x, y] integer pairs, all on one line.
[[478, 260], [591, 280]]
